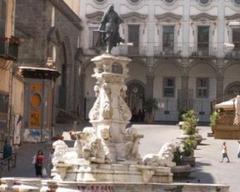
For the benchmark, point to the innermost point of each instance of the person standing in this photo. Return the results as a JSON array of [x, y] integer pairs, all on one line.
[[224, 152], [7, 150], [39, 160]]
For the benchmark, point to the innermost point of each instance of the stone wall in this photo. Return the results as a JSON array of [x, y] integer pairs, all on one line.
[[49, 28], [36, 185]]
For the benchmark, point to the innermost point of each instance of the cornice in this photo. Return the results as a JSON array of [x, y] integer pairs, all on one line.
[[203, 16], [94, 15], [68, 12], [168, 15], [134, 14], [233, 17]]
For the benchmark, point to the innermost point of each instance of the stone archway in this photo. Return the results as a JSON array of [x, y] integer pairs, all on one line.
[[232, 90], [135, 99]]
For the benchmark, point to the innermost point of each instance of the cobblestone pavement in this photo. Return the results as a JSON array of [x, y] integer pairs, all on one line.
[[208, 167]]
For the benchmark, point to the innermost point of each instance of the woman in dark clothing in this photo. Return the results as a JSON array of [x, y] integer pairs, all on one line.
[[39, 160], [7, 150]]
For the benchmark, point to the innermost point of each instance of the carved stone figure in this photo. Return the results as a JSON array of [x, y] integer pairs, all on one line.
[[96, 153], [60, 148], [163, 158], [79, 143], [94, 112], [109, 29], [132, 144], [124, 109]]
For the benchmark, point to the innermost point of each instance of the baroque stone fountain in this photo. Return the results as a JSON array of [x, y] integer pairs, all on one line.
[[108, 151], [105, 157]]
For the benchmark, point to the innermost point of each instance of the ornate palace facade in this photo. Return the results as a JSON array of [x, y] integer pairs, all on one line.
[[182, 52]]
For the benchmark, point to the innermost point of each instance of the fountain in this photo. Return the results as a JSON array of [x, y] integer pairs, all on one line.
[[105, 157]]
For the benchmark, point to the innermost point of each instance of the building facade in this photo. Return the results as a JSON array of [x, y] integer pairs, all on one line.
[[182, 52], [11, 83], [50, 42]]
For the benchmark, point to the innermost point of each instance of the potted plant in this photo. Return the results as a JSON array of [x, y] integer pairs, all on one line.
[[189, 144], [189, 126], [150, 105], [189, 122], [181, 170]]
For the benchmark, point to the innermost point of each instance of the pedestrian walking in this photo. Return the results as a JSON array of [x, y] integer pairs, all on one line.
[[7, 150], [238, 153], [224, 152], [39, 161]]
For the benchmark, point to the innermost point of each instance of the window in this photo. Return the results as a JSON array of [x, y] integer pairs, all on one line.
[[168, 38], [133, 37], [237, 2], [168, 86], [170, 2], [236, 38], [204, 1], [2, 17], [202, 87], [134, 1], [94, 37], [203, 39], [99, 1], [3, 103]]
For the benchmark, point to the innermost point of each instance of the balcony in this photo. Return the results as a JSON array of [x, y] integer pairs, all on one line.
[[133, 51], [234, 54], [167, 52], [209, 51], [9, 48]]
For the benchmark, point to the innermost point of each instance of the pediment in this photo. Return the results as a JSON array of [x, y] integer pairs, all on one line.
[[203, 16], [134, 15], [95, 16], [233, 17], [168, 17]]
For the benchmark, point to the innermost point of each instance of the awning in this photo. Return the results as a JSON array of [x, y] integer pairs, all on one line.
[[226, 104], [39, 72]]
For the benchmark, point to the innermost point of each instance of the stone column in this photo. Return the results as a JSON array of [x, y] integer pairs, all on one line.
[[220, 79], [81, 94], [151, 27], [221, 28], [149, 78], [219, 94], [183, 105], [184, 92], [186, 26], [149, 86]]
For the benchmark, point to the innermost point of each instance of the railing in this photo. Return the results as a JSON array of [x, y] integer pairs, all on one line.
[[9, 47], [133, 51], [166, 52], [234, 54], [203, 52], [193, 50], [8, 163]]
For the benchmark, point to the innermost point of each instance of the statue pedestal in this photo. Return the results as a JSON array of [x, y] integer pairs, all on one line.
[[110, 114]]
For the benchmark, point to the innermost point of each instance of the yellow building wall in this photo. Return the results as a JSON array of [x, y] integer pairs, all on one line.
[[17, 96], [74, 5], [4, 81]]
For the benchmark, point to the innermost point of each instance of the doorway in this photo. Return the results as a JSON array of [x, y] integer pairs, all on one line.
[[135, 100]]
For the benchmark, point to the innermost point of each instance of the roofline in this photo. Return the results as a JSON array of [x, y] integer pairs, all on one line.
[[68, 12]]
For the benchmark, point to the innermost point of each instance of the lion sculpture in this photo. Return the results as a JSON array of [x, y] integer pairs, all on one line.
[[163, 158]]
